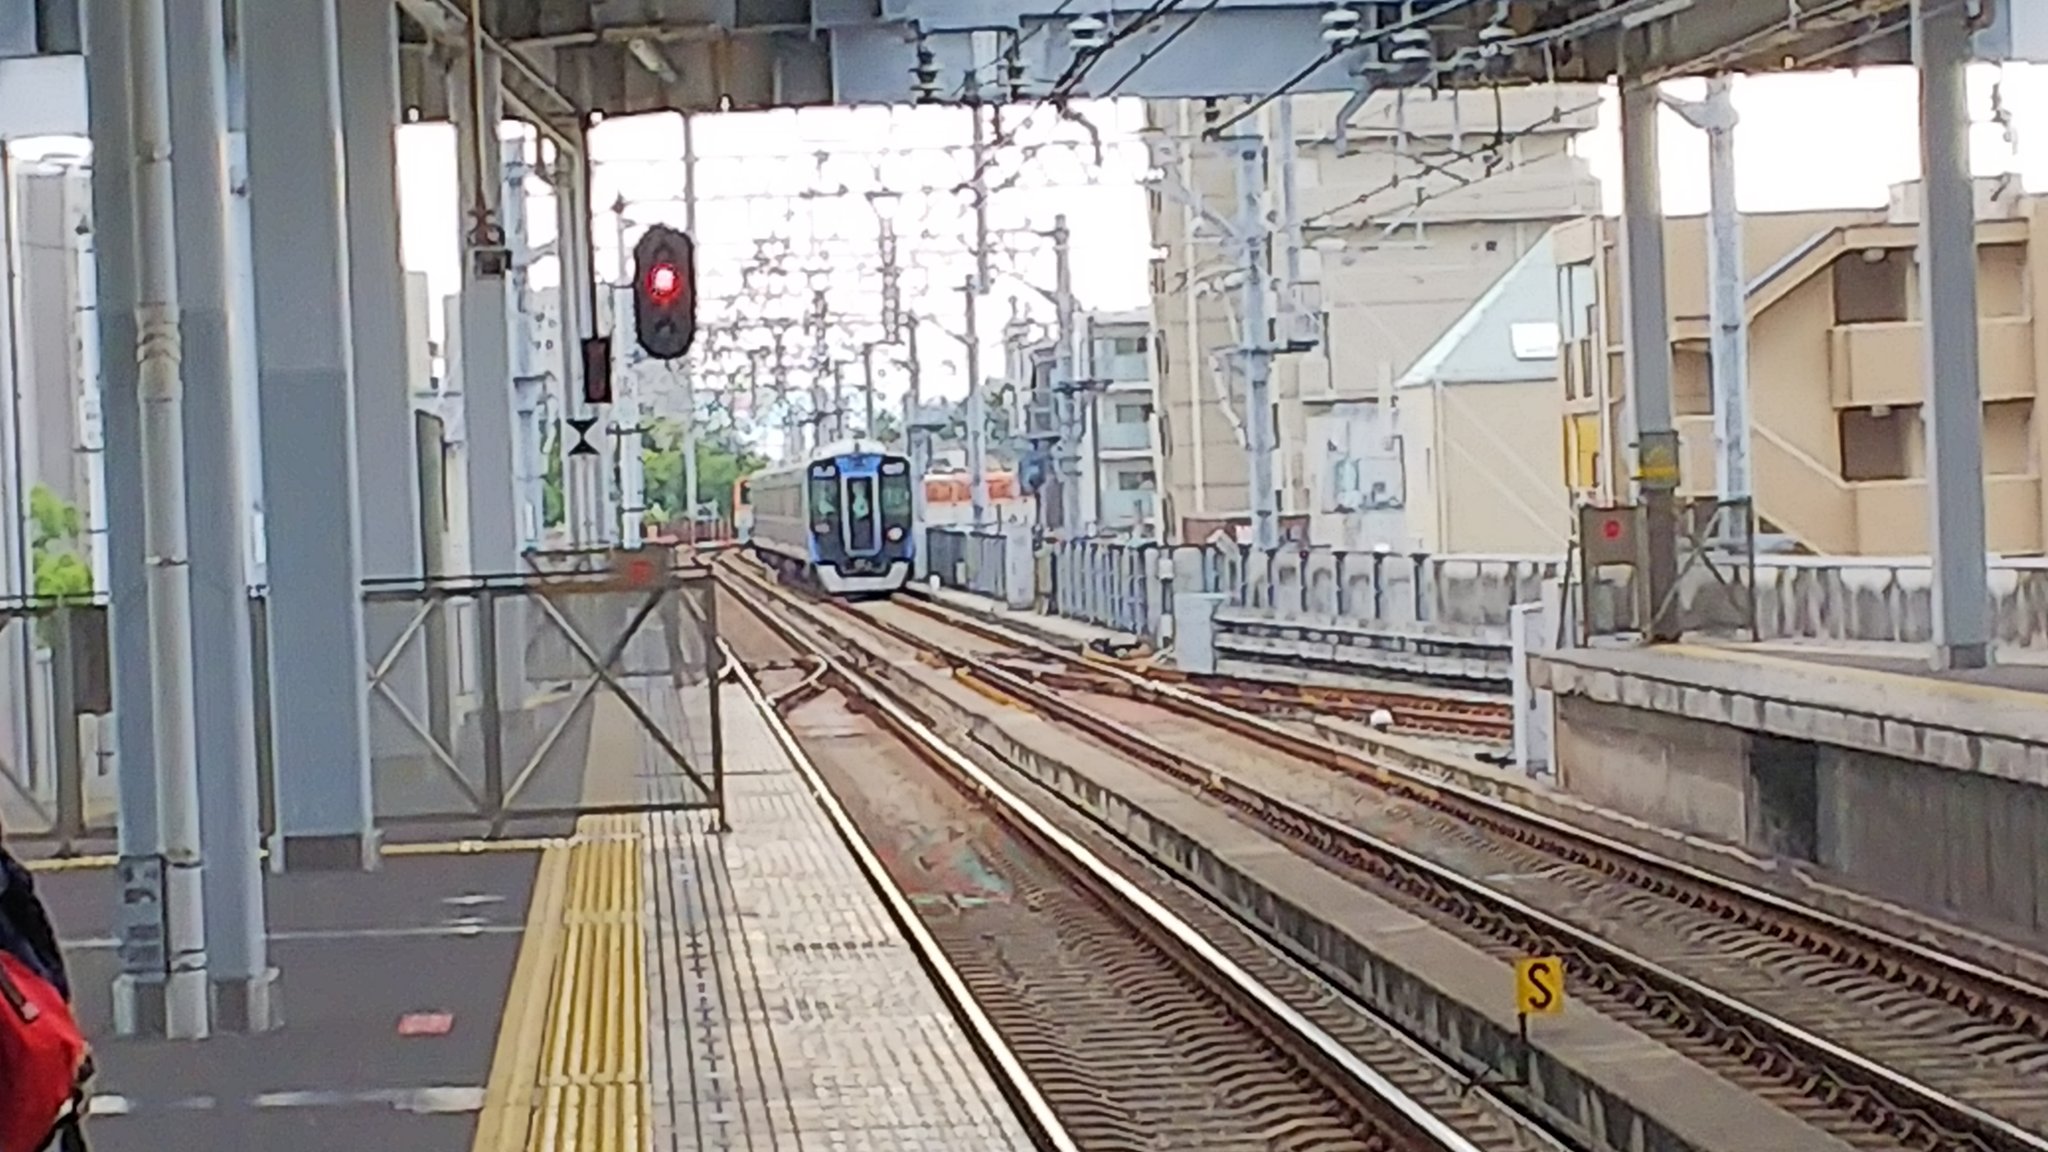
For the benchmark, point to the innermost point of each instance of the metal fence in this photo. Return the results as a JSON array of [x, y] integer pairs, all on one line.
[[1834, 598], [56, 779], [498, 699], [492, 700]]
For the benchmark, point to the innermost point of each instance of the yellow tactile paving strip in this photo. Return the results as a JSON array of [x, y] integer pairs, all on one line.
[[570, 1070]]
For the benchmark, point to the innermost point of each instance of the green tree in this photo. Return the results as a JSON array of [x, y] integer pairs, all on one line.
[[56, 528], [722, 458], [888, 428]]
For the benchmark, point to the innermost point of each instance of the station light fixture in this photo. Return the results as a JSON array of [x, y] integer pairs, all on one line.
[[665, 293]]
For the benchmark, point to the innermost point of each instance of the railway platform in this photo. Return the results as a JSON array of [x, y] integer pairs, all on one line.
[[1921, 788], [647, 979]]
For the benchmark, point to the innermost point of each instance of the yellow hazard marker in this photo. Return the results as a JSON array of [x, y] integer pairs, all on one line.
[[1539, 991], [1539, 986]]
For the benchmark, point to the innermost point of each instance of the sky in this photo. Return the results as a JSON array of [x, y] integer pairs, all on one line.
[[1811, 141], [1815, 141]]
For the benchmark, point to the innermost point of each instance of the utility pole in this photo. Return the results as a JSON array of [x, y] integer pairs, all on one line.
[[187, 1008], [1728, 306], [1255, 346], [1068, 393]]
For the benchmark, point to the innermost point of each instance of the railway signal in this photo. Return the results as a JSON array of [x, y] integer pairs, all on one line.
[[665, 293]]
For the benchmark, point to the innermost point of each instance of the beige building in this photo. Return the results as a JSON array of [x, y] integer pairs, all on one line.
[[1836, 376], [1405, 226], [1480, 473]]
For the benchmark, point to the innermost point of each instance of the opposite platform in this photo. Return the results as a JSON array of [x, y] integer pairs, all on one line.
[[1928, 791]]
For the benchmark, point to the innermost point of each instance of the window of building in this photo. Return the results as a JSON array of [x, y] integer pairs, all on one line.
[[1135, 481], [2009, 438], [1135, 413], [1870, 286], [1129, 345], [1875, 443]]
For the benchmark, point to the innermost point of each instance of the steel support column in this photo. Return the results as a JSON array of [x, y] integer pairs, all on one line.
[[113, 210], [319, 723], [388, 491], [1646, 320], [139, 989], [1948, 296], [217, 527]]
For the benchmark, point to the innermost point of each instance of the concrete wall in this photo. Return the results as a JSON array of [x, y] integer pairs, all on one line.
[[1951, 843], [1965, 847], [1677, 773]]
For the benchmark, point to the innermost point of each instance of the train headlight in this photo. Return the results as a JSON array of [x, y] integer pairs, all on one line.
[[894, 535], [822, 528]]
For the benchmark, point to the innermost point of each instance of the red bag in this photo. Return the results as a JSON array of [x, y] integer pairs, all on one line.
[[43, 1060]]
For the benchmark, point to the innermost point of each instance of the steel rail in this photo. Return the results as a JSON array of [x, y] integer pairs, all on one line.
[[1419, 1123]]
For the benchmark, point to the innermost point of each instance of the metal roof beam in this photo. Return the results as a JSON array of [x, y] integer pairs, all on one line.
[[530, 94]]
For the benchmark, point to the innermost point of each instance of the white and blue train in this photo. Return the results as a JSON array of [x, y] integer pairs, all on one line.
[[841, 519]]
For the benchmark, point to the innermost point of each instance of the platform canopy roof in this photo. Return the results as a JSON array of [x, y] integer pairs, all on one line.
[[616, 57]]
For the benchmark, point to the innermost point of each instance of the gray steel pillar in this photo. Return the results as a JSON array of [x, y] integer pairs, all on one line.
[[486, 341], [217, 495], [1948, 295], [138, 990], [389, 488], [319, 723], [1646, 320]]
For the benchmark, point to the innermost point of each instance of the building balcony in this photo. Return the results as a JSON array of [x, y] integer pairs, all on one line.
[[1883, 364]]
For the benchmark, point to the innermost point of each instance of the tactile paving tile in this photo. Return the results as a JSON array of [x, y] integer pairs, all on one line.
[[793, 1014]]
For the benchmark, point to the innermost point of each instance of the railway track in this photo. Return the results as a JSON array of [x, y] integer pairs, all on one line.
[[1464, 716], [1881, 1041], [1143, 1018]]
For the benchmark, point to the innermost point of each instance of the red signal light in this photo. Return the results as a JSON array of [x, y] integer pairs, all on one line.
[[664, 284], [1611, 528]]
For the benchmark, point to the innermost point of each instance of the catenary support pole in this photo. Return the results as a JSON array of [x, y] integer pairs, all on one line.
[[1255, 343], [160, 385], [1948, 297], [977, 406], [1727, 299], [304, 326], [138, 990], [1069, 394], [486, 342], [238, 959], [867, 392], [1645, 317]]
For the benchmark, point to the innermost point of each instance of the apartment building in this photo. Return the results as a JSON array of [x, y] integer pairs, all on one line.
[[1837, 371], [1120, 479], [1119, 441], [1409, 211]]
